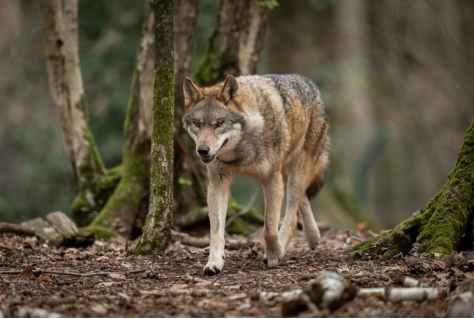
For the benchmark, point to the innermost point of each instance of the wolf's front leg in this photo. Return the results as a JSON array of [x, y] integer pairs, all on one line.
[[217, 199], [273, 192]]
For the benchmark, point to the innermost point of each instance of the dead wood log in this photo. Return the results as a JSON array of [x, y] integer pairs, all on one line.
[[61, 223], [43, 229], [16, 229]]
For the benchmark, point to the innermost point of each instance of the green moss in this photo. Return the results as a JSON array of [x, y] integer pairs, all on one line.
[[101, 232], [245, 224], [444, 221], [89, 201], [121, 207], [157, 229], [215, 62], [123, 203]]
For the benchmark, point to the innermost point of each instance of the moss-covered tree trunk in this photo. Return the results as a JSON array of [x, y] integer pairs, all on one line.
[[67, 91], [157, 229], [120, 211], [445, 224], [235, 43]]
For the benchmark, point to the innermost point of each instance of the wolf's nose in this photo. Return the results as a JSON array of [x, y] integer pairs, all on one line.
[[203, 150]]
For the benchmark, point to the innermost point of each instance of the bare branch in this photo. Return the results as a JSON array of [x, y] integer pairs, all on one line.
[[16, 229]]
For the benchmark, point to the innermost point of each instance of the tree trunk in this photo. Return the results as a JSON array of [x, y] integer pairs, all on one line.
[[445, 224], [157, 229], [67, 91], [236, 42], [119, 213], [190, 177]]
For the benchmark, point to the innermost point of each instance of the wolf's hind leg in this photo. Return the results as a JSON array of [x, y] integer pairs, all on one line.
[[310, 228], [288, 226]]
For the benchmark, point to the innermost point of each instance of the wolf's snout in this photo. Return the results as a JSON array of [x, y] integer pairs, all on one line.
[[203, 150]]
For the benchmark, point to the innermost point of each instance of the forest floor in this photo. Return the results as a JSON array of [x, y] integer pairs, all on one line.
[[107, 280]]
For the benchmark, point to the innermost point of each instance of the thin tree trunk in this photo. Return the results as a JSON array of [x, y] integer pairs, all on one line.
[[119, 213], [157, 229], [445, 224], [190, 176], [67, 91]]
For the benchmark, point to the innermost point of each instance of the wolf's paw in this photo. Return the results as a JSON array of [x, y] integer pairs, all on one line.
[[313, 241], [272, 260], [271, 263], [213, 268]]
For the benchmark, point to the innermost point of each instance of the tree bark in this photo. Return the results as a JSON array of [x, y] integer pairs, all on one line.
[[236, 42], [445, 224], [119, 213], [67, 90], [157, 229], [190, 177]]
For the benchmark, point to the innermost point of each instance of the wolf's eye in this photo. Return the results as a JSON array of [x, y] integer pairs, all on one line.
[[219, 123], [197, 124]]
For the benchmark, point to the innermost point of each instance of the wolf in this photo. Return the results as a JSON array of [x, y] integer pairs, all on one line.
[[272, 128]]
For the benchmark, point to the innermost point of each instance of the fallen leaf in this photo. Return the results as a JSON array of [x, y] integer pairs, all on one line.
[[439, 265], [98, 308], [117, 276], [238, 296], [45, 279], [28, 272], [107, 283], [156, 292], [102, 258]]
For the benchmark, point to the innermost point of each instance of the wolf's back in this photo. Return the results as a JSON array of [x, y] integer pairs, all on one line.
[[295, 121], [289, 89]]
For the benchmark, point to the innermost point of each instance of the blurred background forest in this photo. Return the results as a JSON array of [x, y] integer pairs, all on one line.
[[396, 77]]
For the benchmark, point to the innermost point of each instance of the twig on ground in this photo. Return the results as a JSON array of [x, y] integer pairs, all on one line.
[[38, 272]]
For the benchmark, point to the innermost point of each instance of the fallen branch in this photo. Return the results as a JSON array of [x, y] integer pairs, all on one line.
[[16, 229], [189, 240], [405, 281], [232, 242], [404, 294], [331, 290]]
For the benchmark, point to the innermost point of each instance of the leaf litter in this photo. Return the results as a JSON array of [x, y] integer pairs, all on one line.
[[108, 280]]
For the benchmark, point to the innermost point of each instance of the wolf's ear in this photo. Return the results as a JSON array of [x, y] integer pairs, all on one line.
[[230, 90], [192, 93]]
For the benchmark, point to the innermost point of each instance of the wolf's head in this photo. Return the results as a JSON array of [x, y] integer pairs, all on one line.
[[213, 118]]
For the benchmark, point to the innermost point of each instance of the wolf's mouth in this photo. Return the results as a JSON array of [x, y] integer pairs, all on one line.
[[210, 158]]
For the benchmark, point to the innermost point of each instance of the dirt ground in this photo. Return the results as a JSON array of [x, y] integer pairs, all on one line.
[[107, 280]]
